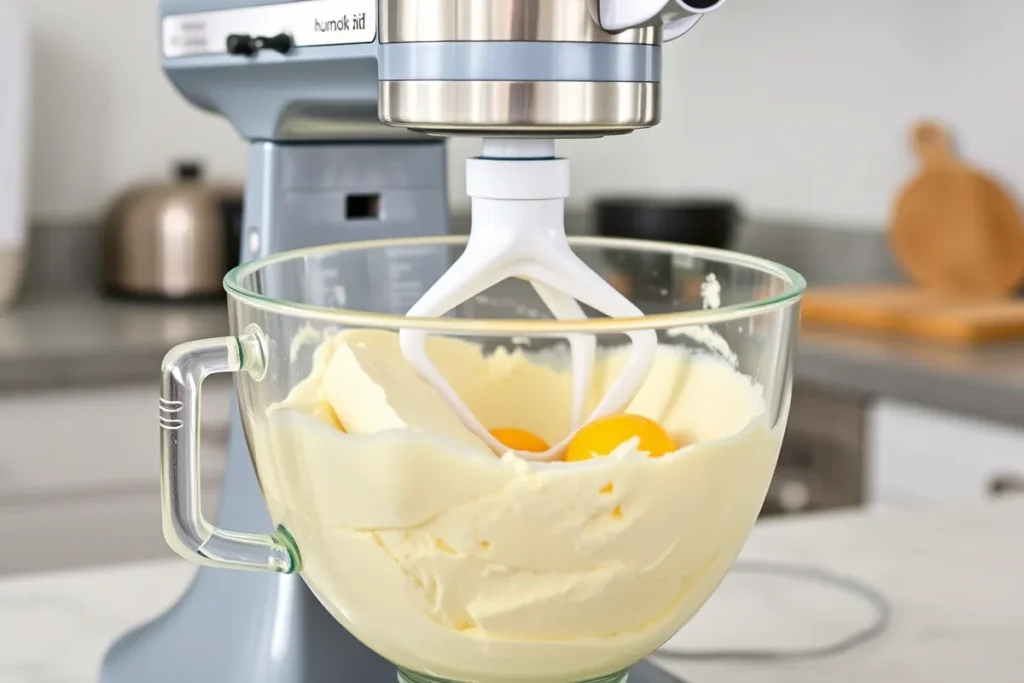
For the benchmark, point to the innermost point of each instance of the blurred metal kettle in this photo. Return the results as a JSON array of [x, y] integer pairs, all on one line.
[[172, 240]]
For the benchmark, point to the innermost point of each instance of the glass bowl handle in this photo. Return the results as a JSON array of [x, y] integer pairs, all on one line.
[[185, 528]]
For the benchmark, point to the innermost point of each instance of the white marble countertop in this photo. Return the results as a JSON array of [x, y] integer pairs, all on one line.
[[953, 575]]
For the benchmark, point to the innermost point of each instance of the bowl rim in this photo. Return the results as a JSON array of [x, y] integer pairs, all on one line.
[[527, 327]]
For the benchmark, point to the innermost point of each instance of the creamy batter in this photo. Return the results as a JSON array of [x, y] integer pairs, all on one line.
[[454, 562]]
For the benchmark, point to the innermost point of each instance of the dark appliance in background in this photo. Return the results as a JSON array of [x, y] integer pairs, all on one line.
[[822, 463], [172, 241], [706, 222]]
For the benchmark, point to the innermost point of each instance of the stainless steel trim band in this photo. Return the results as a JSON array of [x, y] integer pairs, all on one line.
[[507, 61], [414, 21], [564, 108]]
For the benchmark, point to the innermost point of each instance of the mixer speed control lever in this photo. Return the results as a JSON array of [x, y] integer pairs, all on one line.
[[247, 46]]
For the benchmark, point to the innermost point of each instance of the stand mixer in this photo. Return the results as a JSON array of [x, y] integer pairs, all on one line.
[[346, 104]]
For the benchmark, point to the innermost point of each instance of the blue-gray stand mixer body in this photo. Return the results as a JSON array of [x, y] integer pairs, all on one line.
[[311, 181]]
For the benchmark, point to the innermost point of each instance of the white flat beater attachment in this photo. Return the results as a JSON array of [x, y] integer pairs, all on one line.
[[518, 190]]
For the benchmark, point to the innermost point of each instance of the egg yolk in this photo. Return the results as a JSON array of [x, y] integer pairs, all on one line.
[[520, 439], [602, 436]]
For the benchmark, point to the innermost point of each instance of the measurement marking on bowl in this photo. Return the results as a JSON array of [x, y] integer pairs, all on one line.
[[170, 406], [167, 410]]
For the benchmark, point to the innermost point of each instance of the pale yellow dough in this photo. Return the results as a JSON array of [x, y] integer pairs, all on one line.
[[454, 562]]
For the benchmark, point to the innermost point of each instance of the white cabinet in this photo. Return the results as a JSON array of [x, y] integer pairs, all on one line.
[[916, 455], [79, 473]]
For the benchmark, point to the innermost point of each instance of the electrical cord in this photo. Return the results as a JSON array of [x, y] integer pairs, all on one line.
[[870, 595]]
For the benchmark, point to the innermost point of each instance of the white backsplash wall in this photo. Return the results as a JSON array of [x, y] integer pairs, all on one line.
[[799, 107]]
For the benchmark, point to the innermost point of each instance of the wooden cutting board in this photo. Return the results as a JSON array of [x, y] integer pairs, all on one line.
[[953, 228], [910, 311], [959, 236]]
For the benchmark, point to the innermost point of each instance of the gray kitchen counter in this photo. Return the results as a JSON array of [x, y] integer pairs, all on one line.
[[59, 342], [985, 382], [52, 341]]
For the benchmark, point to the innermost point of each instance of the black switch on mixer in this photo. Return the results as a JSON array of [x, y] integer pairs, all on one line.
[[282, 43], [241, 45], [246, 45]]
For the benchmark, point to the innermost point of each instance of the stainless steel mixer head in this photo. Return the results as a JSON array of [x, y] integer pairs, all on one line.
[[542, 68]]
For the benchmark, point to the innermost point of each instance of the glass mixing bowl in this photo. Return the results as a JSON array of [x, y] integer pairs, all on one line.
[[455, 562]]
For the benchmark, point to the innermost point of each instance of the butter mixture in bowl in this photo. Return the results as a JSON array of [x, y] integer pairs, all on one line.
[[524, 548], [459, 563]]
